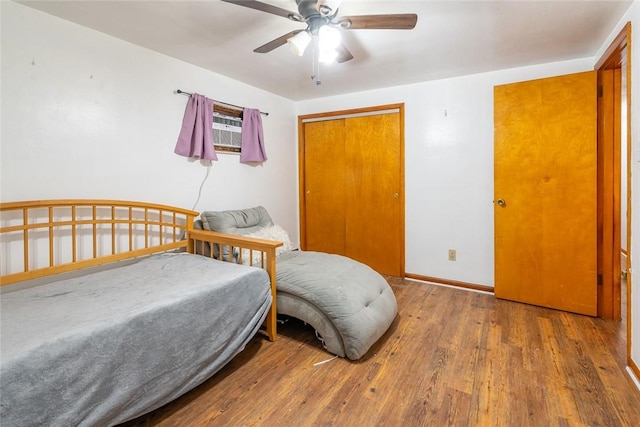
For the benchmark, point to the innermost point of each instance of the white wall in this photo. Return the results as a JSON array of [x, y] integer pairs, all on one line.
[[448, 166], [85, 115], [633, 16]]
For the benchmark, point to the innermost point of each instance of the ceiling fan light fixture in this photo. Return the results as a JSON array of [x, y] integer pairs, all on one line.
[[299, 42], [327, 56], [328, 38]]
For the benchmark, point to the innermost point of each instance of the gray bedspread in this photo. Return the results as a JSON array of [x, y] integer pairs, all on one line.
[[107, 347]]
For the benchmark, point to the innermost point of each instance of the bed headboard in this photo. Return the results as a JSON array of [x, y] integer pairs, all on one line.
[[45, 237]]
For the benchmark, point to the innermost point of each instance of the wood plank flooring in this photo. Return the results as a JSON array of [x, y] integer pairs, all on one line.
[[451, 358]]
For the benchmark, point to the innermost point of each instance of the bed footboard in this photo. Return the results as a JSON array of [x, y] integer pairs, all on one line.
[[199, 241]]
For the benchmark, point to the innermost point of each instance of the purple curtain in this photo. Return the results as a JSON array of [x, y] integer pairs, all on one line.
[[196, 135], [252, 137]]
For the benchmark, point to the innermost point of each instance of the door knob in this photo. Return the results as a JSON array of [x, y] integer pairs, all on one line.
[[502, 203]]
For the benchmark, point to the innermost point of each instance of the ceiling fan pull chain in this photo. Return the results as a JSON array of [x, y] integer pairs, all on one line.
[[315, 75], [313, 62]]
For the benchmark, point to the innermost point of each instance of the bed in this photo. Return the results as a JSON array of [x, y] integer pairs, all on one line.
[[107, 312], [349, 304]]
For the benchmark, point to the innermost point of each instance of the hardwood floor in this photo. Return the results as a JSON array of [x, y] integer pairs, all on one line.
[[451, 358]]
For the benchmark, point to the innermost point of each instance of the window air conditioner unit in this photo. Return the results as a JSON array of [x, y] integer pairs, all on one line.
[[227, 133]]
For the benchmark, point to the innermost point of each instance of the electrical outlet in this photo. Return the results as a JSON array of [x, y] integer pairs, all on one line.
[[452, 254]]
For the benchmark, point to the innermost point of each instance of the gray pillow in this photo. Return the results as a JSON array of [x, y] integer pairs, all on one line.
[[241, 221]]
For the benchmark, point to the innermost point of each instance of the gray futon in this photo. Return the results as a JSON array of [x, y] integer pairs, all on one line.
[[348, 303]]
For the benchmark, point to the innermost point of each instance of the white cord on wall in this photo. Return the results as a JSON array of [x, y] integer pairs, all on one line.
[[201, 186], [206, 175]]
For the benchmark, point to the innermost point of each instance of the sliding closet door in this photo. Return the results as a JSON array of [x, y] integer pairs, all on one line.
[[324, 192], [351, 187], [373, 190]]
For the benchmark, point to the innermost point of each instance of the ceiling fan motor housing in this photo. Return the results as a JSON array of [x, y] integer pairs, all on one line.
[[317, 13], [307, 8]]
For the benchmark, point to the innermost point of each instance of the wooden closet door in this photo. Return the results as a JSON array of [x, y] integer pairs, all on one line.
[[373, 186], [324, 193]]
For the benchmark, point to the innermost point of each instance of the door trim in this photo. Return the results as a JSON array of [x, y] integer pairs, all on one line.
[[334, 115]]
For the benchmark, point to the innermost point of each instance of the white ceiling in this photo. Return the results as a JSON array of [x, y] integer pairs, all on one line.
[[452, 38]]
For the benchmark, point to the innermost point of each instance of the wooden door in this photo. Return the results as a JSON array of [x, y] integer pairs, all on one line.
[[351, 186], [545, 192]]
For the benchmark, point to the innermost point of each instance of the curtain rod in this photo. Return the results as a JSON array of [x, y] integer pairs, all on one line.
[[219, 102]]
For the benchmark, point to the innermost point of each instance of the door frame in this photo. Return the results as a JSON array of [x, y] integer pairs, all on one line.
[[334, 115], [618, 55], [610, 292]]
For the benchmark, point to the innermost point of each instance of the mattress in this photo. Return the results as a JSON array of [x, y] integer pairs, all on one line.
[[107, 347]]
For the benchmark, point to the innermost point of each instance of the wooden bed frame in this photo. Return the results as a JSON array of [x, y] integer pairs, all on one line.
[[46, 237]]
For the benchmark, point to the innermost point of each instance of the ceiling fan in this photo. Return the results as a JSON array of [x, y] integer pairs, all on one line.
[[322, 21]]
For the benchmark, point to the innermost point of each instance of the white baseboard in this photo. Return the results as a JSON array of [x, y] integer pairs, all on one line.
[[635, 379]]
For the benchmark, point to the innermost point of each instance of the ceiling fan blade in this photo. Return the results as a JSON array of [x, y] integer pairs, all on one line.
[[268, 47], [263, 7], [343, 54], [400, 21]]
